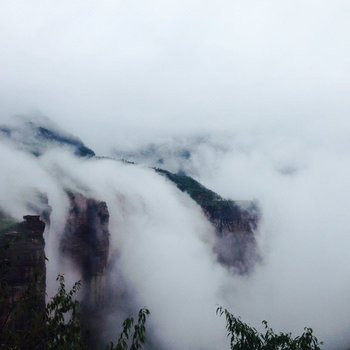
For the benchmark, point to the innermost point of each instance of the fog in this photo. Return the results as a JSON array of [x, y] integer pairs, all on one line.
[[113, 70], [256, 92], [163, 241]]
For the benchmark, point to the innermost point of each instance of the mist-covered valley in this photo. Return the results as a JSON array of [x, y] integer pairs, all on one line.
[[162, 250], [203, 147]]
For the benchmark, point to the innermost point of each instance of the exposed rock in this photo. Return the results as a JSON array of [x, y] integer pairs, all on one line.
[[86, 240], [23, 273], [86, 243], [235, 222]]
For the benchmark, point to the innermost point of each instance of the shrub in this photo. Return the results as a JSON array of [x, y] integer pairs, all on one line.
[[244, 337]]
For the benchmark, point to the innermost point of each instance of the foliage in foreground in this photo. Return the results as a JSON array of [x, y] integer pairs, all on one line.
[[64, 327], [133, 341], [244, 337], [60, 329]]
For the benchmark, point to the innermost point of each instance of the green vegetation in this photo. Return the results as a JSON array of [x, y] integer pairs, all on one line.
[[6, 224], [132, 338], [244, 337], [62, 328], [22, 313], [25, 322], [225, 214], [185, 183], [59, 327]]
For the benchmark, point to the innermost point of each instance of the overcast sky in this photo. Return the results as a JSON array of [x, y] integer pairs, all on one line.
[[267, 80], [112, 70]]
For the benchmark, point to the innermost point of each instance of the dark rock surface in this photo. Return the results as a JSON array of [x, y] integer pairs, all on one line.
[[86, 240], [86, 243], [23, 272], [235, 222]]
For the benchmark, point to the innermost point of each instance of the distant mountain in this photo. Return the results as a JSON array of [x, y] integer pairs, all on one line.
[[174, 154], [86, 237], [235, 222], [36, 138]]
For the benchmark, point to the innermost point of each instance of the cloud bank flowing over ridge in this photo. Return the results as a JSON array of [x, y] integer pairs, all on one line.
[[301, 185], [253, 94], [165, 251], [161, 241]]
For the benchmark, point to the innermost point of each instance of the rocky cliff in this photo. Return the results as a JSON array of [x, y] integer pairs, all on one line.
[[86, 235], [22, 259], [86, 241], [235, 222]]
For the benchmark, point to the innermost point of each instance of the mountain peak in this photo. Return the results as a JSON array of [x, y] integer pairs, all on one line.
[[36, 137]]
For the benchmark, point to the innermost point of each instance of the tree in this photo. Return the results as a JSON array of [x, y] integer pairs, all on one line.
[[244, 337], [137, 339], [60, 327]]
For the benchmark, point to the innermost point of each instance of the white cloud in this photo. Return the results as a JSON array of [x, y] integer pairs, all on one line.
[[115, 71], [271, 76]]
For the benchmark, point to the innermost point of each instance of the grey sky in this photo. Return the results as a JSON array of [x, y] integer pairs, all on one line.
[[112, 70], [268, 81]]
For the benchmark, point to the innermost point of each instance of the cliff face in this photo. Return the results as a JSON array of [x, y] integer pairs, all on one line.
[[234, 222], [86, 241], [23, 273], [22, 257], [86, 235]]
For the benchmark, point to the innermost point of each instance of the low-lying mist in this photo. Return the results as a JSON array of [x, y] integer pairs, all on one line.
[[249, 97], [301, 187], [162, 244], [161, 240]]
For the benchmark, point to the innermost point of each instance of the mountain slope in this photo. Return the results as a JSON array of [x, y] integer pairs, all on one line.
[[235, 222], [38, 137]]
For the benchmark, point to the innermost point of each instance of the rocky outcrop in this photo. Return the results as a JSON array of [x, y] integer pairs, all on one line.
[[86, 236], [86, 241], [235, 222], [23, 273]]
